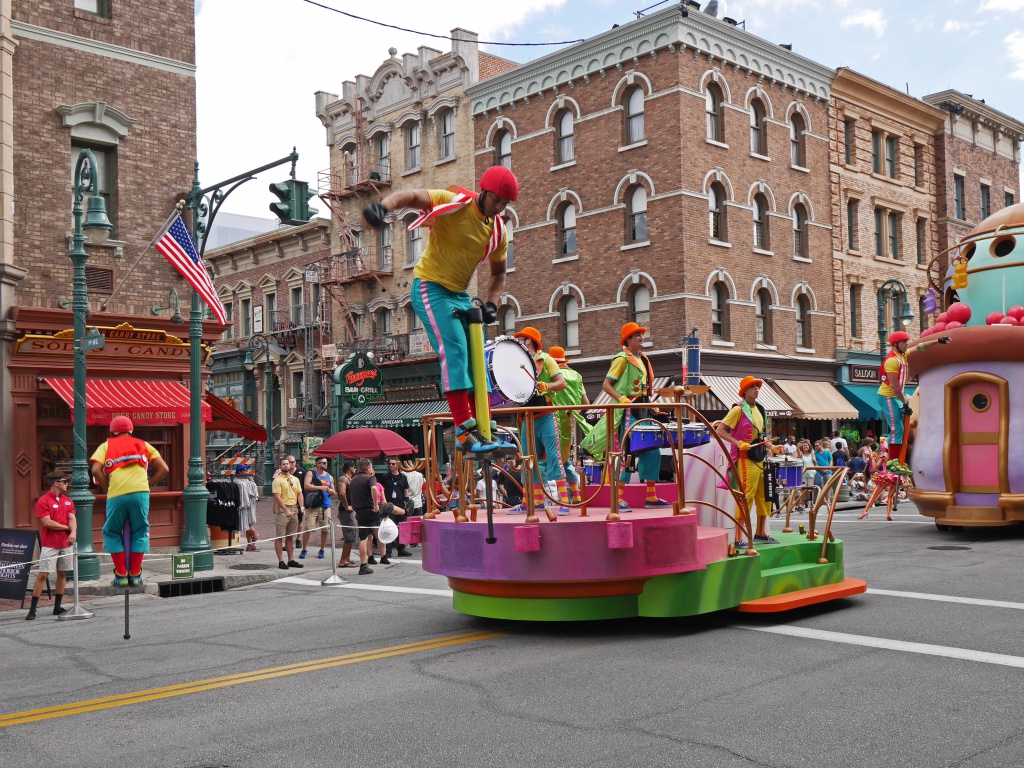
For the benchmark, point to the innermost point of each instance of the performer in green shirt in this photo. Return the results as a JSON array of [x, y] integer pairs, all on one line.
[[573, 394]]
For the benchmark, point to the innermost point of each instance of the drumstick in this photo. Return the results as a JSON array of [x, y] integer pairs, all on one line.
[[533, 375]]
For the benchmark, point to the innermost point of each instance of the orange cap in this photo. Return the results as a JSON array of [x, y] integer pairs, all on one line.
[[748, 382], [628, 330], [531, 333], [557, 354]]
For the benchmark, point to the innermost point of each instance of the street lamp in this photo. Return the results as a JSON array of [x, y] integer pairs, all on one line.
[[888, 292], [176, 318], [98, 227], [256, 342]]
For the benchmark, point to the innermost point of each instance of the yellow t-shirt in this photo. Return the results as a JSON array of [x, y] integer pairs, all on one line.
[[892, 373], [456, 245], [733, 418], [128, 479], [288, 487]]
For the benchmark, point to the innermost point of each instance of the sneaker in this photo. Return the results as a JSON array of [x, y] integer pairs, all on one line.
[[320, 555], [518, 509], [60, 611], [385, 560], [283, 565], [135, 581], [371, 560], [119, 582], [294, 564], [252, 548], [365, 570], [302, 555], [657, 503], [741, 544], [624, 506], [30, 616], [403, 552], [468, 438], [564, 511], [765, 540]]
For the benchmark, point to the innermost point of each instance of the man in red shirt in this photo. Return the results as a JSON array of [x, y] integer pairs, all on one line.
[[56, 513]]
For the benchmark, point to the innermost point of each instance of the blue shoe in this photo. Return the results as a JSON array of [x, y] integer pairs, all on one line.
[[320, 555], [119, 581], [468, 438], [657, 503], [741, 544], [624, 506], [765, 540], [135, 581], [518, 509], [302, 555], [564, 511]]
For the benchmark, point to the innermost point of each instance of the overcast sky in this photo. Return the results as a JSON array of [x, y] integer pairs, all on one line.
[[261, 61]]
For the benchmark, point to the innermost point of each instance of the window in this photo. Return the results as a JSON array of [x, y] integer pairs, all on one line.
[[99, 7], [716, 213], [715, 117], [229, 310], [719, 312], [879, 232], [876, 151], [106, 178], [640, 306], [565, 150], [800, 249], [635, 116], [507, 322], [383, 321], [803, 322], [637, 226], [761, 234], [510, 256], [1008, 199], [921, 315], [848, 128], [383, 156], [503, 149], [348, 160], [384, 246], [412, 146], [296, 315], [570, 323], [891, 152], [246, 317], [922, 235], [986, 201], [855, 291], [918, 165], [797, 141], [762, 310], [270, 316], [958, 191], [448, 134], [414, 322], [895, 224], [852, 207], [567, 231], [758, 129], [414, 245]]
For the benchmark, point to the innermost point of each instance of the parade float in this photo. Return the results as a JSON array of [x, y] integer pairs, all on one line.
[[967, 454]]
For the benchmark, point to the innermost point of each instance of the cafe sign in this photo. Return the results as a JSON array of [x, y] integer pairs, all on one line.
[[361, 381]]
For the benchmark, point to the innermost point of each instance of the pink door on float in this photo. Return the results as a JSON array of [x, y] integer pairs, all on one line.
[[979, 409]]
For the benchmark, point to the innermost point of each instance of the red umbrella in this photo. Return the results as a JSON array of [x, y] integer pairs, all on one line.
[[364, 442]]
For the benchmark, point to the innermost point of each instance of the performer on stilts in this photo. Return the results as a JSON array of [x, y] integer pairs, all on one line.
[[896, 403], [566, 421]]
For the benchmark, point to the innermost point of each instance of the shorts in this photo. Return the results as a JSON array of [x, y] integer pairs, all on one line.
[[368, 522], [284, 525], [349, 533], [316, 517], [53, 559]]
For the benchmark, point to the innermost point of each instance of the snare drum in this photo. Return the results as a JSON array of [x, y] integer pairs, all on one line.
[[593, 472], [694, 434], [788, 472], [510, 373], [648, 437]]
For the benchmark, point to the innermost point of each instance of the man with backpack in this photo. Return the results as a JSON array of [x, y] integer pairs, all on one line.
[[319, 487]]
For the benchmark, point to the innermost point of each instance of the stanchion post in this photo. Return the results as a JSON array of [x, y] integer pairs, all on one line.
[[334, 578], [77, 612]]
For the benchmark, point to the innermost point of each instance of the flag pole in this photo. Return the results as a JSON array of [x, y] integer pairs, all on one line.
[[178, 208]]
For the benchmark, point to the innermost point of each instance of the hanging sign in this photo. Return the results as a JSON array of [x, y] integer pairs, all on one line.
[[361, 380]]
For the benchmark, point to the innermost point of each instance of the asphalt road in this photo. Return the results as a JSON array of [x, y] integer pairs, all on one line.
[[291, 673]]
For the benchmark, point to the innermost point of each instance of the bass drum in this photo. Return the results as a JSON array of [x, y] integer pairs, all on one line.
[[510, 373]]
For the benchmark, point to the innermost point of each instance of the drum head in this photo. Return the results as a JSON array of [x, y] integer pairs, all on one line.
[[511, 369]]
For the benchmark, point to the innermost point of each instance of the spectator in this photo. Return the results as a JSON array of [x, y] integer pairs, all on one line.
[[346, 516], [807, 459], [789, 447], [836, 443], [318, 481], [822, 458], [416, 481], [396, 491], [56, 514], [286, 514], [510, 483], [859, 463], [369, 508]]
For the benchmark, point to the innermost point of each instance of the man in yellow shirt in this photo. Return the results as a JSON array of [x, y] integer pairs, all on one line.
[[286, 514], [466, 229]]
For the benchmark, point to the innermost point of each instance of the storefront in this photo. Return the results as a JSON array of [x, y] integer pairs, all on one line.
[[142, 371]]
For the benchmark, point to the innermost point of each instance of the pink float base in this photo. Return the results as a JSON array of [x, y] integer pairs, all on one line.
[[635, 495]]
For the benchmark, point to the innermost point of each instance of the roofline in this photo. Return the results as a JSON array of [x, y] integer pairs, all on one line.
[[929, 117], [978, 108]]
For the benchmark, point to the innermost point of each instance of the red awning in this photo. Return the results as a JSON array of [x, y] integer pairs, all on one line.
[[227, 419], [144, 402]]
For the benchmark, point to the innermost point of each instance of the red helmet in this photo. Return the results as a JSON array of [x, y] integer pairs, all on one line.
[[500, 181], [121, 424], [897, 336]]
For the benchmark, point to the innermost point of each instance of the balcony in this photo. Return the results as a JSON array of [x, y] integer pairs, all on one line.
[[362, 174], [395, 347], [364, 263]]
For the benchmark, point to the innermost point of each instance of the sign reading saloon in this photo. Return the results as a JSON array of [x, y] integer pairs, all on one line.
[[361, 380], [865, 373]]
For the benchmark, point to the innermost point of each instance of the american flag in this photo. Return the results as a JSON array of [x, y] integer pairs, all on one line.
[[177, 247]]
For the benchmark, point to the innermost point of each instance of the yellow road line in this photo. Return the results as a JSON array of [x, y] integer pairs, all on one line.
[[181, 689]]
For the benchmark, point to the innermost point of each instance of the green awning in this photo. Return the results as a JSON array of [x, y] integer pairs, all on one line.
[[867, 401], [388, 415]]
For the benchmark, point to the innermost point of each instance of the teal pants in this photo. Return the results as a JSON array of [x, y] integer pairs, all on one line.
[[133, 507]]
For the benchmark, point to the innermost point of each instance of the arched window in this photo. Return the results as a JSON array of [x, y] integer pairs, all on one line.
[[565, 150], [762, 310], [507, 321], [383, 320], [716, 118], [567, 230], [634, 116], [640, 306], [447, 129], [803, 321], [761, 233], [570, 316], [503, 149], [636, 229], [414, 243], [797, 141], [348, 160], [384, 262], [415, 324], [412, 146], [716, 213], [800, 249], [383, 156], [510, 256], [758, 129], [719, 312]]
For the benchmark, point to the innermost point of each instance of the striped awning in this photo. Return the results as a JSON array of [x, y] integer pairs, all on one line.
[[389, 415], [144, 402], [727, 390]]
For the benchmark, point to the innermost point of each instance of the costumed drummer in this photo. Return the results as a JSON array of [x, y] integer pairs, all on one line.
[[466, 229], [573, 394], [549, 381], [743, 427], [120, 468], [629, 380], [896, 404]]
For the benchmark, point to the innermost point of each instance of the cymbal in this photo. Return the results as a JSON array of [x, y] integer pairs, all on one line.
[[679, 392]]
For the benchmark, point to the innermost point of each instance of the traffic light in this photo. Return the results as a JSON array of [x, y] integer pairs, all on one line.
[[293, 202]]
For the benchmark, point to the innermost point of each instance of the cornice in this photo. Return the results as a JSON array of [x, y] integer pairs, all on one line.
[[899, 107], [976, 110], [668, 29]]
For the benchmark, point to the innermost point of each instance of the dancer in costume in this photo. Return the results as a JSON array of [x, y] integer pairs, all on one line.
[[120, 467], [896, 405], [466, 228], [745, 425], [573, 394], [549, 382], [629, 380]]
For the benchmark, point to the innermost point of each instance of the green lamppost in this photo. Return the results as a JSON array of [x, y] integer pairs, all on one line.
[[98, 227], [256, 342], [888, 292]]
